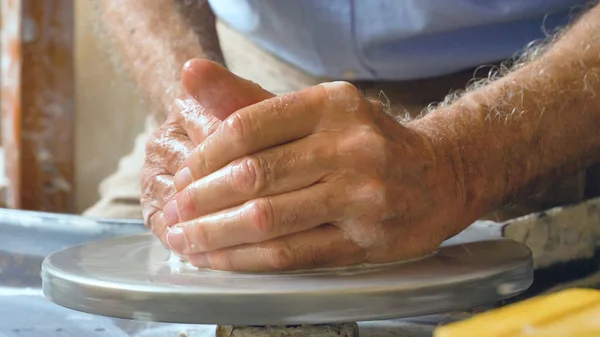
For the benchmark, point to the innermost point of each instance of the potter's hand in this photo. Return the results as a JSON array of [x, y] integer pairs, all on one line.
[[317, 178], [190, 121]]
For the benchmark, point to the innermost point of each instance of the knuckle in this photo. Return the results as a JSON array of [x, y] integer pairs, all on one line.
[[152, 142], [344, 94], [182, 109], [167, 151], [374, 193], [159, 143], [200, 161], [220, 260], [150, 171], [197, 236], [158, 226], [195, 262], [210, 126], [148, 174], [164, 187], [177, 108], [157, 187], [365, 144], [235, 127], [374, 139], [378, 154], [280, 257], [348, 88], [259, 214], [247, 176], [371, 192], [185, 107], [189, 199], [375, 187], [148, 214]]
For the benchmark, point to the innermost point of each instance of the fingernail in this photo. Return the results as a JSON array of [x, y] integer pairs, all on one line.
[[183, 178], [171, 213], [199, 261], [176, 239]]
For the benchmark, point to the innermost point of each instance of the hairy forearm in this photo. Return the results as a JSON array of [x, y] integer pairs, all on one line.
[[153, 39], [538, 123]]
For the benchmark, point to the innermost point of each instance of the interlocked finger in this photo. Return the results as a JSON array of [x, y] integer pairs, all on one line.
[[324, 246], [260, 220], [274, 171]]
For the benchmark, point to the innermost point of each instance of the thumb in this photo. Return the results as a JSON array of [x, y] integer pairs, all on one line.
[[218, 90]]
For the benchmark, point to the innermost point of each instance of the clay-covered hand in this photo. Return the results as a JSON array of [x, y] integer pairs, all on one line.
[[321, 177], [192, 118]]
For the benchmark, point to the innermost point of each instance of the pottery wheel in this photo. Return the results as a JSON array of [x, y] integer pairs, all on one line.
[[134, 277]]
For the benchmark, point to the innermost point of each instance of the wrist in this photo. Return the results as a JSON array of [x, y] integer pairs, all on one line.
[[467, 158]]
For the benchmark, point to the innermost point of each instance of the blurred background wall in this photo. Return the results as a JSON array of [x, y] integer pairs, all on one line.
[[109, 111]]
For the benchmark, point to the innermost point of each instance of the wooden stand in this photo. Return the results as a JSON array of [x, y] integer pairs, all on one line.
[[37, 104]]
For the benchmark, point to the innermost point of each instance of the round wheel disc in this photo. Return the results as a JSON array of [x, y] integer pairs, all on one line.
[[134, 277]]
